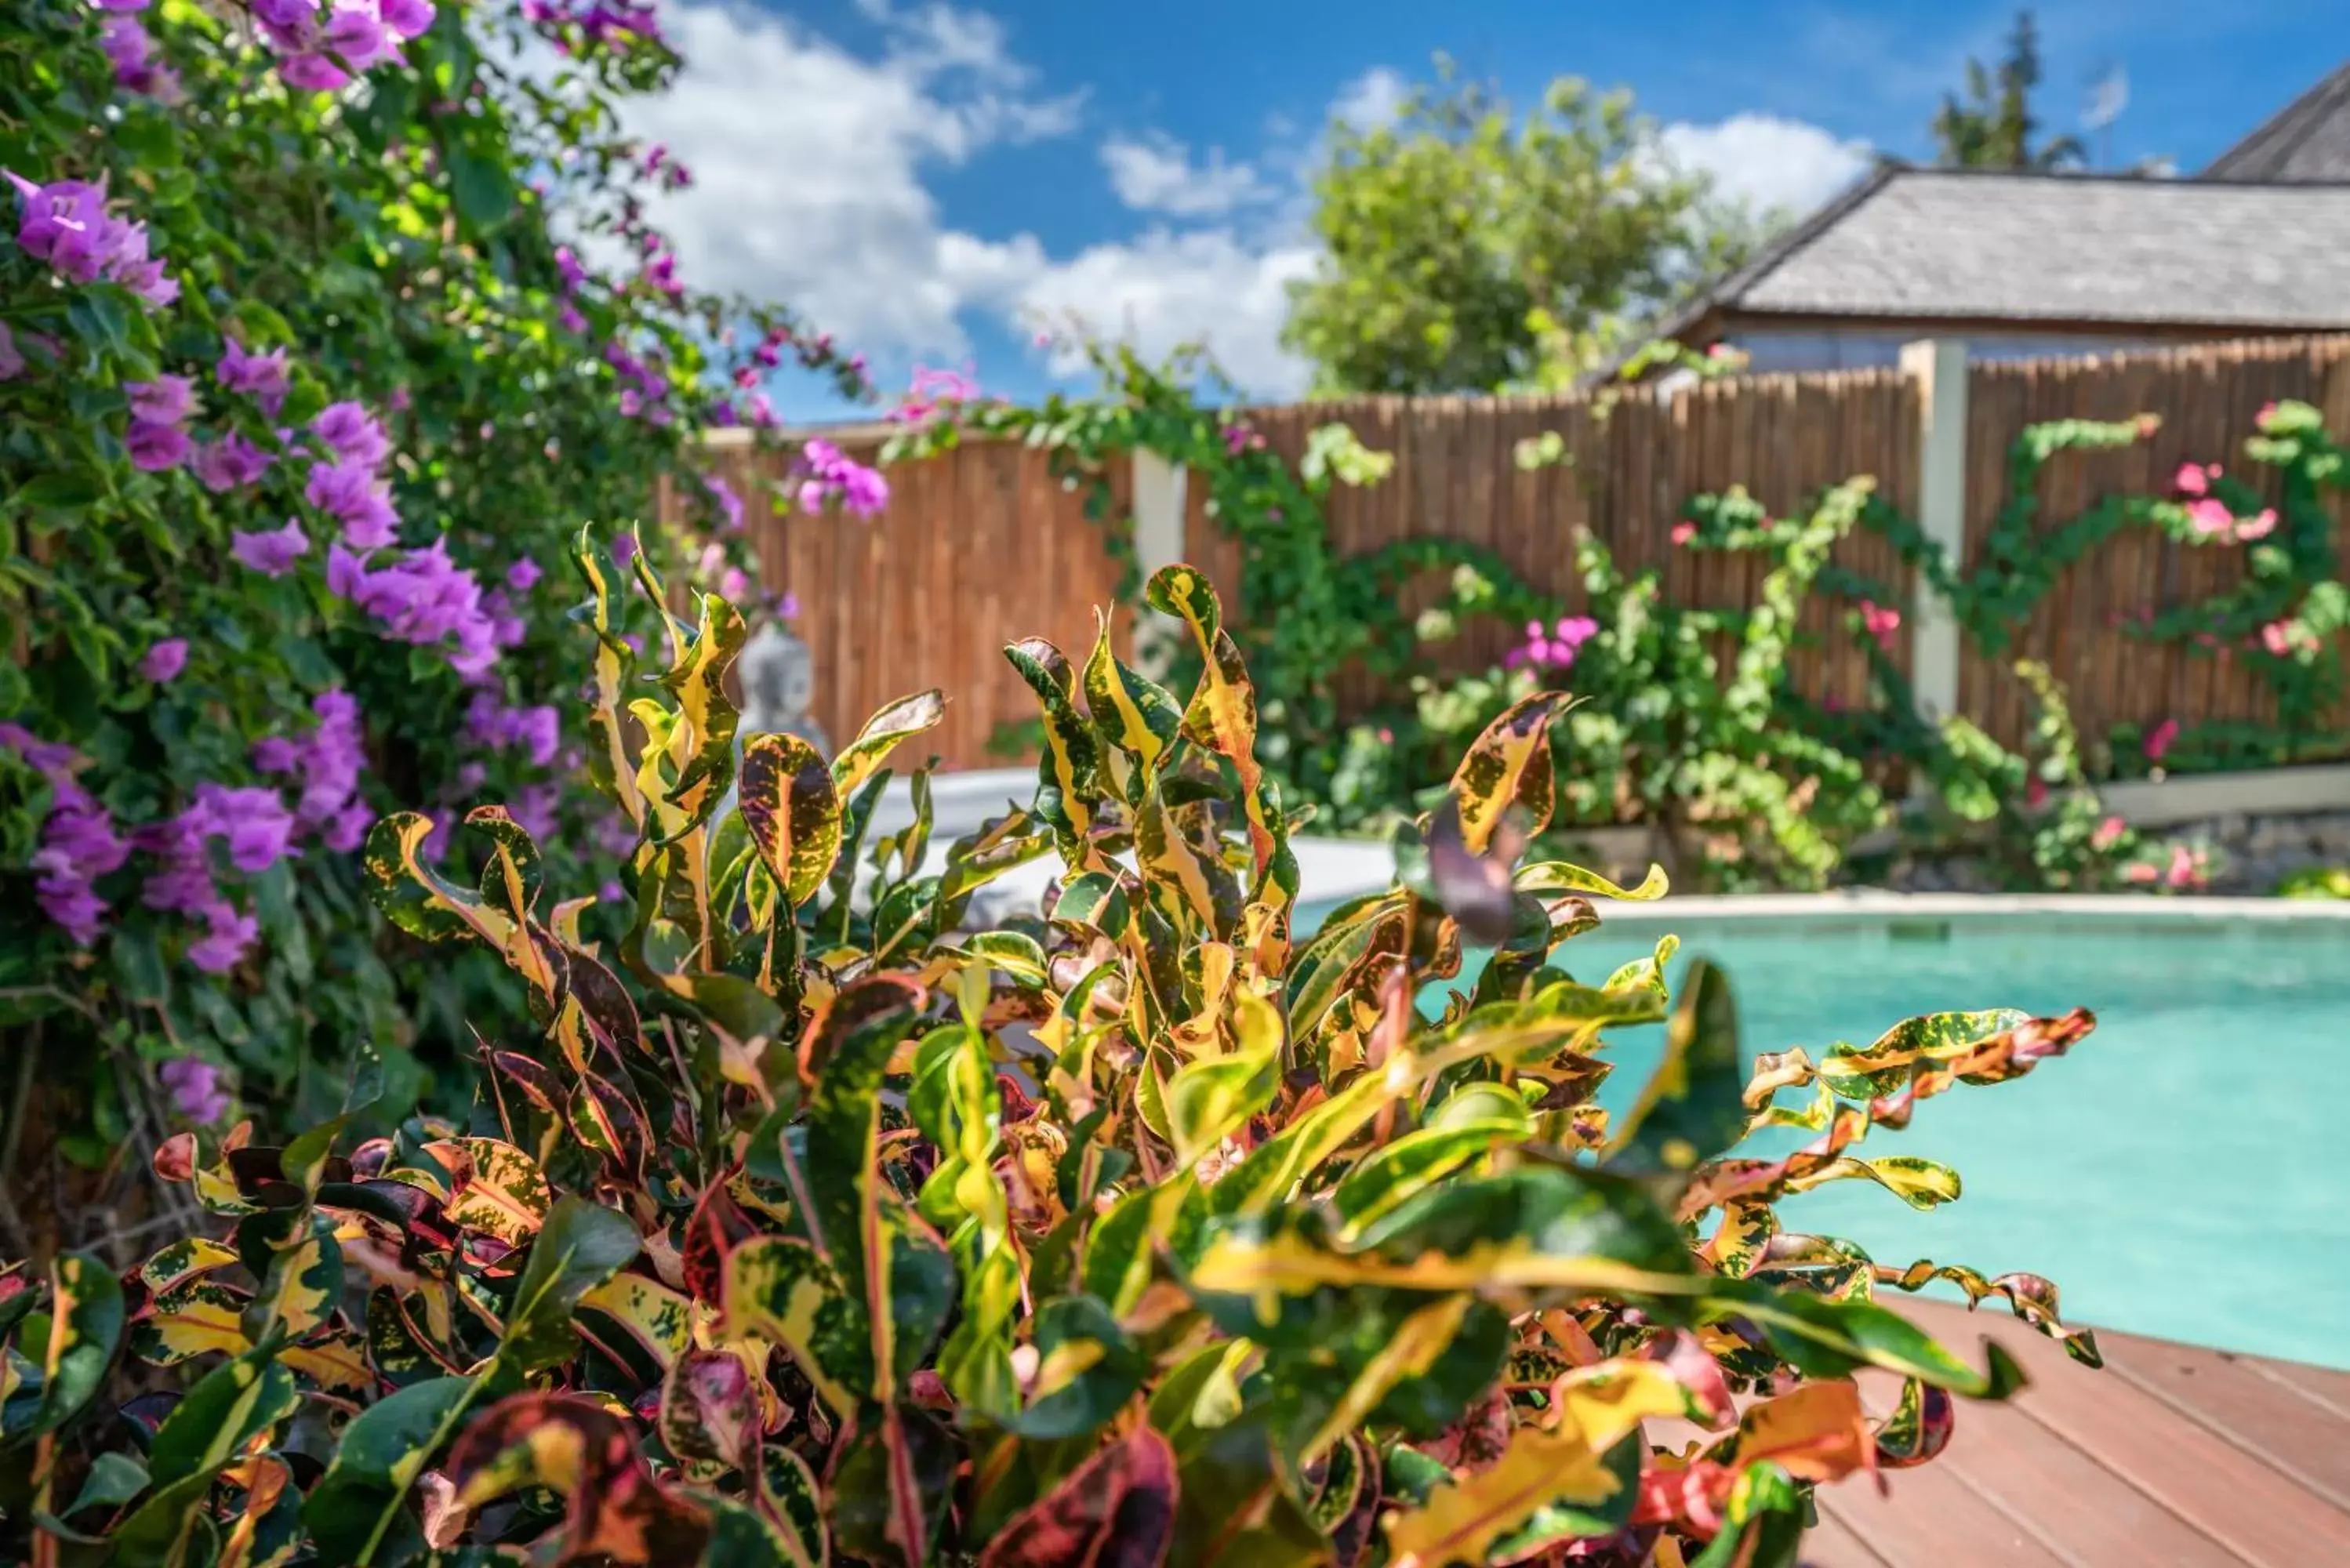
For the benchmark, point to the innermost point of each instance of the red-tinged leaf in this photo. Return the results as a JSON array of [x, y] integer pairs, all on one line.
[[709, 1413], [2030, 1297], [1817, 1433], [717, 1227], [1508, 765], [1918, 1428], [1116, 1511], [792, 809], [617, 1510]]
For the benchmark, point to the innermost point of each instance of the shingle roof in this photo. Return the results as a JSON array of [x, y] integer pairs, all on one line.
[[1964, 244], [2307, 139]]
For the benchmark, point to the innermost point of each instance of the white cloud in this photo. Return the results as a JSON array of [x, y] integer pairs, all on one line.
[[1169, 288], [1155, 174], [1371, 99], [1768, 162], [808, 161]]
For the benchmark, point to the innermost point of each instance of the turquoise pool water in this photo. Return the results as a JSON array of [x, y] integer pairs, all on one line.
[[2177, 1174]]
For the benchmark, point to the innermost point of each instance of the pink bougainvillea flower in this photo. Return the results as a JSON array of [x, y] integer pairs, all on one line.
[[261, 377], [352, 434], [165, 401], [156, 448], [2277, 637], [1683, 532], [2186, 869], [2258, 527], [2140, 871], [734, 586], [522, 575], [2189, 480], [231, 463], [164, 659], [273, 552], [829, 473], [2108, 834], [195, 1088], [2035, 792], [1880, 622], [2158, 740], [2211, 516]]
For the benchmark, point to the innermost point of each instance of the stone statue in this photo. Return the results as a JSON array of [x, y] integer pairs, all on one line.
[[778, 683]]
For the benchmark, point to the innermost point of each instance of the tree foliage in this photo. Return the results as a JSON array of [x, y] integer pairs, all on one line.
[[1467, 249], [1995, 128]]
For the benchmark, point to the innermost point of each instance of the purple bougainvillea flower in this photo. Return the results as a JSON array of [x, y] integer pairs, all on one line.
[[255, 821], [408, 18], [261, 377], [195, 1089], [164, 659], [155, 447], [570, 318], [730, 505], [788, 605], [228, 936], [352, 434], [624, 548], [350, 491], [522, 575], [734, 586], [132, 53], [231, 463], [568, 264], [66, 225], [165, 401], [272, 553]]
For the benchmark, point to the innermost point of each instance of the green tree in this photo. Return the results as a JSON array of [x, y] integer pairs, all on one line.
[[1994, 127], [1468, 250]]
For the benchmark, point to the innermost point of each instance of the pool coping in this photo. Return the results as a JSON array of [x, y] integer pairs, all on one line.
[[1877, 902]]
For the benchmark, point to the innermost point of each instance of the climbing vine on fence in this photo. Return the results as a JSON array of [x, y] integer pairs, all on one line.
[[1763, 785]]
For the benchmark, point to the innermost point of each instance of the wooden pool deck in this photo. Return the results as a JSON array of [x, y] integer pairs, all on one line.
[[2170, 1455]]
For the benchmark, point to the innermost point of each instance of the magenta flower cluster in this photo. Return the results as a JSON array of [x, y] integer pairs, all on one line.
[[78, 843], [536, 729], [424, 598], [617, 26], [195, 1089], [132, 52], [1553, 648], [934, 390], [66, 225], [826, 471], [321, 50], [326, 762]]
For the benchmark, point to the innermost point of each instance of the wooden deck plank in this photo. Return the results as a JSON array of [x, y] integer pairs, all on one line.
[[1931, 1516], [1829, 1544], [2235, 1498], [2266, 1414]]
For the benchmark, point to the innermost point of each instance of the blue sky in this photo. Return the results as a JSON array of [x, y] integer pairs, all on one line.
[[929, 179]]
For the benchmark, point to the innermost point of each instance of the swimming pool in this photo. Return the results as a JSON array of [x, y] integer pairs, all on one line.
[[2177, 1174]]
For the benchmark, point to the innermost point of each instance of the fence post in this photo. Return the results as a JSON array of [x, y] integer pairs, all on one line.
[[1938, 367], [1159, 508]]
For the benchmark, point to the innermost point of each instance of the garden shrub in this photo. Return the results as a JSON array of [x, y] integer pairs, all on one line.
[[810, 1225], [303, 382]]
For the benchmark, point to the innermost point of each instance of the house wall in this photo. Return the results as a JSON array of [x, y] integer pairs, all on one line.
[[1799, 348]]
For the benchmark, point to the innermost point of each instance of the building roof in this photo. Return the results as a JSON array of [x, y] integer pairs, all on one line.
[[2308, 140], [1975, 246]]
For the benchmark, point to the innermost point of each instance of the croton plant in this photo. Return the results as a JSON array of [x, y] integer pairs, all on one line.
[[819, 1227]]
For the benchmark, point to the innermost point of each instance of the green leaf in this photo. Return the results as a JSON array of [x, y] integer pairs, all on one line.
[[581, 1245], [892, 723], [356, 1506], [1693, 1107], [114, 1478], [1088, 1368], [86, 1316]]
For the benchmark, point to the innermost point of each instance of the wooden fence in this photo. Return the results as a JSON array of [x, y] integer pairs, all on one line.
[[984, 544]]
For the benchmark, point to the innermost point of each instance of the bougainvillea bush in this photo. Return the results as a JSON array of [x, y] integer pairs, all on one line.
[[811, 1226], [318, 330]]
